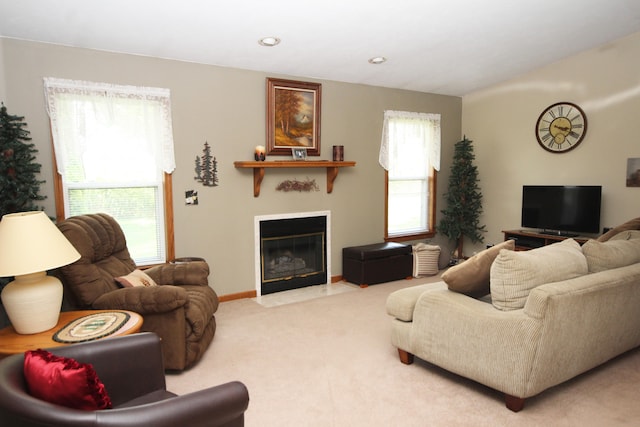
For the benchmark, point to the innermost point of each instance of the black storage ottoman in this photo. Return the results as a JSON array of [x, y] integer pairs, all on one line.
[[377, 263]]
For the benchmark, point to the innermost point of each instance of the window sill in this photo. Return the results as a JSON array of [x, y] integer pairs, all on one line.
[[406, 237]]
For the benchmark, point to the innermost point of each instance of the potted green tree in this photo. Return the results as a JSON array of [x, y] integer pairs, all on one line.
[[464, 200]]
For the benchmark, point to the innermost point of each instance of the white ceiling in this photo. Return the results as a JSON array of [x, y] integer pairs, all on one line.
[[449, 47]]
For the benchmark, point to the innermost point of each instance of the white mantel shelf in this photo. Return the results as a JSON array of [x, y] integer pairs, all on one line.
[[259, 167]]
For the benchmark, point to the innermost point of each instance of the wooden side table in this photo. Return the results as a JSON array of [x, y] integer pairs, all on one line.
[[12, 342]]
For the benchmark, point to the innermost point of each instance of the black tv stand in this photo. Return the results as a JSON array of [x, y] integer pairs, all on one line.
[[530, 239], [557, 233]]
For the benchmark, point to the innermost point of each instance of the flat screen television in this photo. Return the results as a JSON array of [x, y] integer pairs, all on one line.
[[562, 209]]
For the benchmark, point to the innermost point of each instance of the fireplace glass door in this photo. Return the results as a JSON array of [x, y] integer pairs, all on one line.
[[292, 257]]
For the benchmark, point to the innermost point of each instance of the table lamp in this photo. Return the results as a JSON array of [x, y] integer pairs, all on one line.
[[31, 244]]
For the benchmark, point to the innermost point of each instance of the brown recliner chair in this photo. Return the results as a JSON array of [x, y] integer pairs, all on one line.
[[131, 370], [180, 310]]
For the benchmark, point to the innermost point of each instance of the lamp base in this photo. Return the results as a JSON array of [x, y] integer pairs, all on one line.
[[33, 302]]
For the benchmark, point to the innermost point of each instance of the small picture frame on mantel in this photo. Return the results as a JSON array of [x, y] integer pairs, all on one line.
[[299, 153]]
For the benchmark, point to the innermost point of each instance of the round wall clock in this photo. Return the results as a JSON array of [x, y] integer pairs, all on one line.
[[561, 127]]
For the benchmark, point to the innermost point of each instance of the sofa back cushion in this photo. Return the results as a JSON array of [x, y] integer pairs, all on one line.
[[613, 253], [514, 274]]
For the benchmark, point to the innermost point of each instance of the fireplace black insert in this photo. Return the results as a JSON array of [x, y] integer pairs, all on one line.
[[293, 253]]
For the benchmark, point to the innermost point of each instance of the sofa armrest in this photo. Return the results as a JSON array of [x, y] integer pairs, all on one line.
[[143, 300], [474, 339], [190, 273], [588, 320], [222, 405], [401, 303]]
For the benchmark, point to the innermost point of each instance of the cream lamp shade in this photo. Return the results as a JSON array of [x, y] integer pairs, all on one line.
[[31, 244]]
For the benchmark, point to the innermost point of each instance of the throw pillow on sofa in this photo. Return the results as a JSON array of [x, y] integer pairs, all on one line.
[[64, 381], [613, 253], [136, 278], [472, 276], [626, 235], [633, 224], [515, 274]]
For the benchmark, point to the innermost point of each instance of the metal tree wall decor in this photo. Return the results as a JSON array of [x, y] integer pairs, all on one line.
[[206, 168]]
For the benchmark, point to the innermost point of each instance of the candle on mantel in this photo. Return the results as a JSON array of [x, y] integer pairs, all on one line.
[[260, 153]]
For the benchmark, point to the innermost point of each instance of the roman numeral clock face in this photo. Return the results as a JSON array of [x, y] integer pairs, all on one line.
[[561, 127]]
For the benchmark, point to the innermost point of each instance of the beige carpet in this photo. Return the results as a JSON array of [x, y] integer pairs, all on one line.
[[328, 362]]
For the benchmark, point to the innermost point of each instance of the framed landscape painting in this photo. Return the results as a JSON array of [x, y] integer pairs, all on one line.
[[293, 116], [633, 172]]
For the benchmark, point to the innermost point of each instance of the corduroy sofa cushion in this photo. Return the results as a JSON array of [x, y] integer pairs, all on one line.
[[612, 253], [514, 274]]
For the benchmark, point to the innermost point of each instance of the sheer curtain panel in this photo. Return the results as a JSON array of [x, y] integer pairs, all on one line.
[[113, 144]]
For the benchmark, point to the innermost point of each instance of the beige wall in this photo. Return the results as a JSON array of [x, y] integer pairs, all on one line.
[[226, 107], [2, 78], [605, 82]]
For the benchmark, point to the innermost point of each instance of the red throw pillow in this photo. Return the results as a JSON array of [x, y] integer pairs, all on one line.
[[64, 381]]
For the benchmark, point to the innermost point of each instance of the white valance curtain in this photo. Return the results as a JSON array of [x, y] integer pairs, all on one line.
[[423, 127], [123, 123]]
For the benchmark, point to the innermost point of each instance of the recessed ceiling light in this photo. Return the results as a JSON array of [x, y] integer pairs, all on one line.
[[269, 41], [377, 60]]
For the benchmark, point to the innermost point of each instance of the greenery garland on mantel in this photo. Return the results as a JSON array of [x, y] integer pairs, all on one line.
[[295, 185]]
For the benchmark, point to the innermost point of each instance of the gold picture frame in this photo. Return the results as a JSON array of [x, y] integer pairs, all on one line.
[[293, 116]]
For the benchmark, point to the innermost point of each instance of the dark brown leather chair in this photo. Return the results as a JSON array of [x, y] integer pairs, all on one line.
[[180, 310], [133, 375]]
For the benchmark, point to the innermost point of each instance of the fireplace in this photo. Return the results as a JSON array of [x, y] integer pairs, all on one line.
[[292, 251]]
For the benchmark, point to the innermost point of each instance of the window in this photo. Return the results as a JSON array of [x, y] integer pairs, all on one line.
[[410, 153], [114, 152]]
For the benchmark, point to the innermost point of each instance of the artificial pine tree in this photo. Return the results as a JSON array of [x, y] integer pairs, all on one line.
[[464, 199], [19, 188]]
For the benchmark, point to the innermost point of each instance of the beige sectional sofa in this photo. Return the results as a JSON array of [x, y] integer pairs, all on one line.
[[549, 314]]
